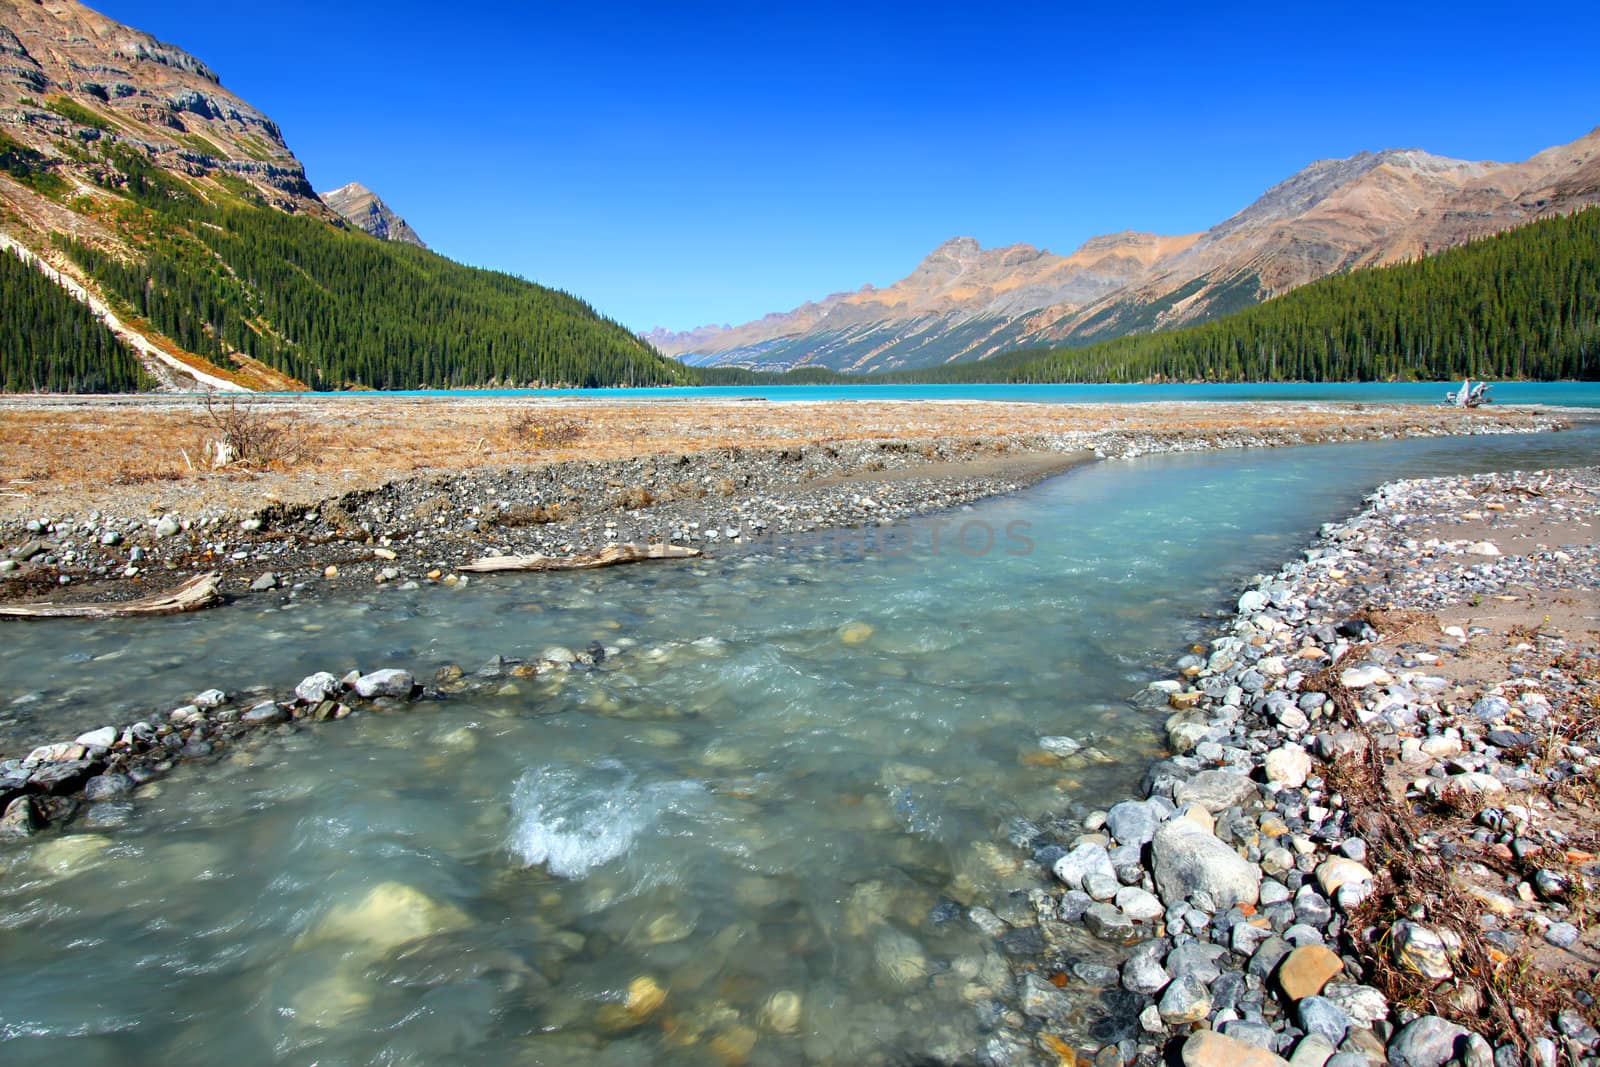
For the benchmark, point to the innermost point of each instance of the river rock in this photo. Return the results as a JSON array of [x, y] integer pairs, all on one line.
[[385, 683], [1207, 1048], [1186, 1000], [264, 714], [1313, 1050], [264, 583], [1420, 949], [1216, 791], [1138, 904], [1338, 871], [104, 737], [1188, 861], [899, 958], [389, 915], [21, 818], [1364, 675], [1307, 969], [1364, 1004], [1044, 1001], [1085, 860], [781, 1013], [1108, 923], [1132, 822], [63, 857], [1288, 765], [645, 997], [1143, 974], [1426, 1042], [1319, 1015], [211, 698], [107, 786], [315, 688]]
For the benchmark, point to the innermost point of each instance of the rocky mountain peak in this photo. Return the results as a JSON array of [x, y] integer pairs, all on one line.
[[365, 210]]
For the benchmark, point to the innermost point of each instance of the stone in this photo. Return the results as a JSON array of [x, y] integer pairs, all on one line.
[[385, 683], [1364, 1004], [1319, 1015], [1420, 949], [107, 786], [1250, 1033], [856, 633], [104, 737], [168, 527], [645, 997], [1253, 602], [211, 698], [1562, 934], [315, 688], [1364, 675], [1144, 974], [388, 915], [1044, 1001], [62, 777], [1186, 861], [1216, 791], [63, 857], [1338, 871], [1087, 859], [265, 582], [1060, 746], [1313, 1050], [1207, 1048], [1288, 765], [1132, 822], [1428, 1041], [264, 714], [1138, 904], [1107, 923], [782, 1011], [1306, 970], [1483, 548], [21, 818], [1185, 1000]]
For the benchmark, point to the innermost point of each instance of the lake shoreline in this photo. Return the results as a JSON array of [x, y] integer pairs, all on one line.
[[572, 480]]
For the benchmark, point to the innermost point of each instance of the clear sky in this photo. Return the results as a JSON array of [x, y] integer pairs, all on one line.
[[682, 163]]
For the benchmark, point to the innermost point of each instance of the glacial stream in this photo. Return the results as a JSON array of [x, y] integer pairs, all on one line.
[[739, 839]]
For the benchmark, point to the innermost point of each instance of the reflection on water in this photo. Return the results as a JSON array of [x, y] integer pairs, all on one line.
[[741, 838]]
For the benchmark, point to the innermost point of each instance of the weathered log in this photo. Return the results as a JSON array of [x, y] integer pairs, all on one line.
[[201, 591], [609, 556]]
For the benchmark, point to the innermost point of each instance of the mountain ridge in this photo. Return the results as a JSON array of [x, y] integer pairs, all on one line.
[[1370, 209], [366, 211]]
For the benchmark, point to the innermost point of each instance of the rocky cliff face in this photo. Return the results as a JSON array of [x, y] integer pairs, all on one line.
[[72, 79], [963, 302], [363, 209]]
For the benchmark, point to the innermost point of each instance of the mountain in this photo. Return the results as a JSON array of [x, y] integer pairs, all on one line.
[[362, 208], [176, 213], [1522, 304], [963, 302]]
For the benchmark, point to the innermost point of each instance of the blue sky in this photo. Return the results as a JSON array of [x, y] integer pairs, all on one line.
[[687, 163]]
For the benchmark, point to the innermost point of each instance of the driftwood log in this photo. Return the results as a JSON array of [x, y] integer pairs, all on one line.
[[198, 592], [609, 556]]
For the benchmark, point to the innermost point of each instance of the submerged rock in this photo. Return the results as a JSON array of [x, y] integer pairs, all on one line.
[[389, 915]]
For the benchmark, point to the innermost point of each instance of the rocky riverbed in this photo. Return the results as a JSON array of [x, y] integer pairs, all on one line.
[[110, 545], [1376, 838]]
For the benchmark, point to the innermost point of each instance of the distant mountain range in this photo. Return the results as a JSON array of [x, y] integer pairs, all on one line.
[[964, 302], [362, 208], [174, 213]]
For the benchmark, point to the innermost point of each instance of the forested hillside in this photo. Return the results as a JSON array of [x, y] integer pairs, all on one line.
[[49, 342], [1524, 304], [337, 308]]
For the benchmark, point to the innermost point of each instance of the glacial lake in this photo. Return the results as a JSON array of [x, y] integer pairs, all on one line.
[[743, 838], [1564, 394]]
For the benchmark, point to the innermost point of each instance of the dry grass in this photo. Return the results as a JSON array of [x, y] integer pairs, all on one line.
[[362, 441]]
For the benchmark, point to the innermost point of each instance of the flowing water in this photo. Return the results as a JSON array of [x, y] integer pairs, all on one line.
[[737, 840]]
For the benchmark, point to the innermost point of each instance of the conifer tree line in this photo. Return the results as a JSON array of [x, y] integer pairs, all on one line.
[[1524, 304], [52, 343], [336, 308]]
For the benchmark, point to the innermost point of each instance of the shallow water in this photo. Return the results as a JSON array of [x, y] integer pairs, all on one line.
[[1568, 394], [731, 842]]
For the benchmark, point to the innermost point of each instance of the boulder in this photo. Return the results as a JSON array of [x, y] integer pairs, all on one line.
[[1288, 765], [1216, 791], [1082, 862], [1132, 822], [315, 688], [1188, 861], [1426, 1042], [385, 683]]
